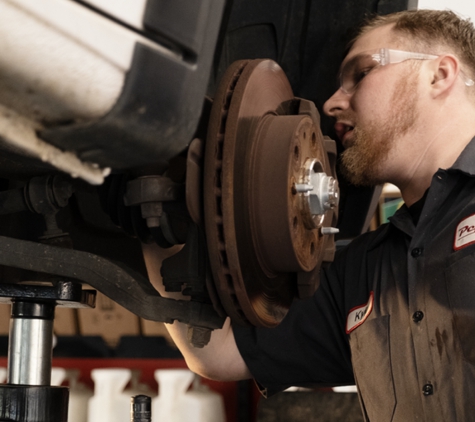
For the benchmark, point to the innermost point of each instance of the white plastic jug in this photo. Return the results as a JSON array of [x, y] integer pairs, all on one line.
[[58, 375], [109, 403], [79, 396], [136, 387], [208, 404], [176, 404]]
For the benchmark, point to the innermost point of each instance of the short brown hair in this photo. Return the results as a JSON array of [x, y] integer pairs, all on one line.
[[431, 29]]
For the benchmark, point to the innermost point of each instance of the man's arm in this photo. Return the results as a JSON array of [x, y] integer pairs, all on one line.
[[220, 358]]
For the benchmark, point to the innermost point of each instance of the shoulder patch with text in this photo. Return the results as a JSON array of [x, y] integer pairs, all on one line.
[[465, 233], [358, 315]]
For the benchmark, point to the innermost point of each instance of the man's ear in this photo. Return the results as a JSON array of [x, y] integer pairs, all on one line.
[[444, 74]]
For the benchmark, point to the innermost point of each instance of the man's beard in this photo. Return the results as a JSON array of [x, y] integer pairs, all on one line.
[[363, 162]]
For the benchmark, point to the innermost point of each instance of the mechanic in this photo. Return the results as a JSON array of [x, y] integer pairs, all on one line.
[[395, 312]]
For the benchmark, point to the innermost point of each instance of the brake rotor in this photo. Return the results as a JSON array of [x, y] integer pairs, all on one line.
[[262, 152]]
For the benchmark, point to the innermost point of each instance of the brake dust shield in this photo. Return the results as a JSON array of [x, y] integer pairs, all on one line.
[[265, 246]]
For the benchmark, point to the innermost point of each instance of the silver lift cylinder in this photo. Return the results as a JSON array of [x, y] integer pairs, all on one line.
[[31, 343]]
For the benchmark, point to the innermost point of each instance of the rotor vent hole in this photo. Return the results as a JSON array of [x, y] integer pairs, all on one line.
[[314, 139], [235, 301], [219, 203], [295, 222], [296, 152], [219, 150], [312, 248], [229, 282], [224, 259], [221, 233]]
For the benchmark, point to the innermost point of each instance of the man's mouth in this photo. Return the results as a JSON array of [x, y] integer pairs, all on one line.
[[344, 131]]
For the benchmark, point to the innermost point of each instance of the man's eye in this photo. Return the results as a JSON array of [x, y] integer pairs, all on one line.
[[359, 74]]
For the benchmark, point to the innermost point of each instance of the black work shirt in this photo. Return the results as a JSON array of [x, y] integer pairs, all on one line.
[[395, 310]]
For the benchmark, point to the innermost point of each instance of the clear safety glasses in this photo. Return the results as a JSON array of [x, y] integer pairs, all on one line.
[[354, 70]]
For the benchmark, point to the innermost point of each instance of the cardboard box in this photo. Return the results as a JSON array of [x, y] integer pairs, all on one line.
[[109, 320], [66, 322], [5, 312]]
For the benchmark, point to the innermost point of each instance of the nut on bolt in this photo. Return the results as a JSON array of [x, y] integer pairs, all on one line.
[[324, 195], [318, 193]]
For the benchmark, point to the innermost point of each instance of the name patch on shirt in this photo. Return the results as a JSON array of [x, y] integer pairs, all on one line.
[[465, 233], [358, 315]]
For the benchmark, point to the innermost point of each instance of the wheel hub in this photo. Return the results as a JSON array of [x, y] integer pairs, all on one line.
[[269, 189]]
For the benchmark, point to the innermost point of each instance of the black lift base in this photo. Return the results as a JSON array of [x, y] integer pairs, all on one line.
[[33, 403]]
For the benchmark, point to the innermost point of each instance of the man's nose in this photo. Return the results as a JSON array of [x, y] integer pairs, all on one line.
[[337, 103]]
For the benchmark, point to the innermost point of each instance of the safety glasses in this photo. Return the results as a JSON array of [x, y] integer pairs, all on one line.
[[355, 70]]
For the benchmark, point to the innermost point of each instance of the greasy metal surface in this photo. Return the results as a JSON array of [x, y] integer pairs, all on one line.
[[256, 147]]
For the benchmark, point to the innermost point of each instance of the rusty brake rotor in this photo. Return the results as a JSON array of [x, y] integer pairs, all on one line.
[[270, 194]]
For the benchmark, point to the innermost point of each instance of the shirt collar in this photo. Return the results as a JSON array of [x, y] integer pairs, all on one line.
[[401, 220], [466, 160]]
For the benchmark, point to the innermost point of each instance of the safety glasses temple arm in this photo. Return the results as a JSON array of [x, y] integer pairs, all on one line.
[[387, 56]]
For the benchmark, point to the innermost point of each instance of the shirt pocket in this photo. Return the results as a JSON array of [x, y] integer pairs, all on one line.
[[460, 283], [370, 351]]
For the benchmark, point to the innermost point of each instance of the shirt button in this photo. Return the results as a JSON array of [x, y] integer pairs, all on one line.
[[416, 252], [417, 316], [428, 390]]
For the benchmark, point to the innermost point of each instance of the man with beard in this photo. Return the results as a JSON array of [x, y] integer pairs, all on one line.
[[395, 311]]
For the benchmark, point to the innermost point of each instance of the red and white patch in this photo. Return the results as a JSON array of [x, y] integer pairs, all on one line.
[[465, 233], [358, 315]]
